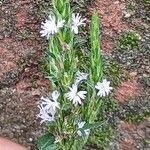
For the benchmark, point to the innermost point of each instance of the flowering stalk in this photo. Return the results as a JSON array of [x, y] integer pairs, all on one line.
[[71, 109], [96, 68]]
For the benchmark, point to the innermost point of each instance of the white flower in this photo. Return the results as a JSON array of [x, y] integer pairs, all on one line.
[[76, 21], [51, 26], [45, 114], [55, 95], [48, 107], [74, 95], [81, 76], [103, 87], [51, 103], [80, 126]]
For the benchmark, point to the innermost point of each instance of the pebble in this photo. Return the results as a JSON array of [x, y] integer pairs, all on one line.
[[127, 15], [30, 139]]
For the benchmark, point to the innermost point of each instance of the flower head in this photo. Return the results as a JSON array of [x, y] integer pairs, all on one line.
[[45, 114], [103, 87], [48, 107], [51, 26], [81, 76], [51, 103], [74, 95], [55, 95], [76, 22], [80, 126]]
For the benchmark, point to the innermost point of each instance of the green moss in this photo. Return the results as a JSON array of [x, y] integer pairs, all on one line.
[[129, 40], [137, 118], [147, 5], [130, 7], [113, 71], [24, 34]]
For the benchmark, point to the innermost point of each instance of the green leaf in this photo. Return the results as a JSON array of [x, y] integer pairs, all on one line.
[[52, 147], [66, 106], [92, 126], [82, 132], [96, 68], [52, 55], [46, 142]]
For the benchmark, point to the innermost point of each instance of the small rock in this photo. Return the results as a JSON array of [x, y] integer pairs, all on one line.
[[30, 139], [127, 15]]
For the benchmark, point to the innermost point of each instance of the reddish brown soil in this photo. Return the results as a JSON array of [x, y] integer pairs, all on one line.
[[131, 132], [127, 89], [21, 78], [111, 14]]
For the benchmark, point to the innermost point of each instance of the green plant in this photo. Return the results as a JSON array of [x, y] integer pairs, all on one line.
[[79, 88], [129, 40]]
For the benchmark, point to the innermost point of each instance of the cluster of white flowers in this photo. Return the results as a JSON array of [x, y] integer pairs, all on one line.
[[51, 26], [48, 107], [77, 96]]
